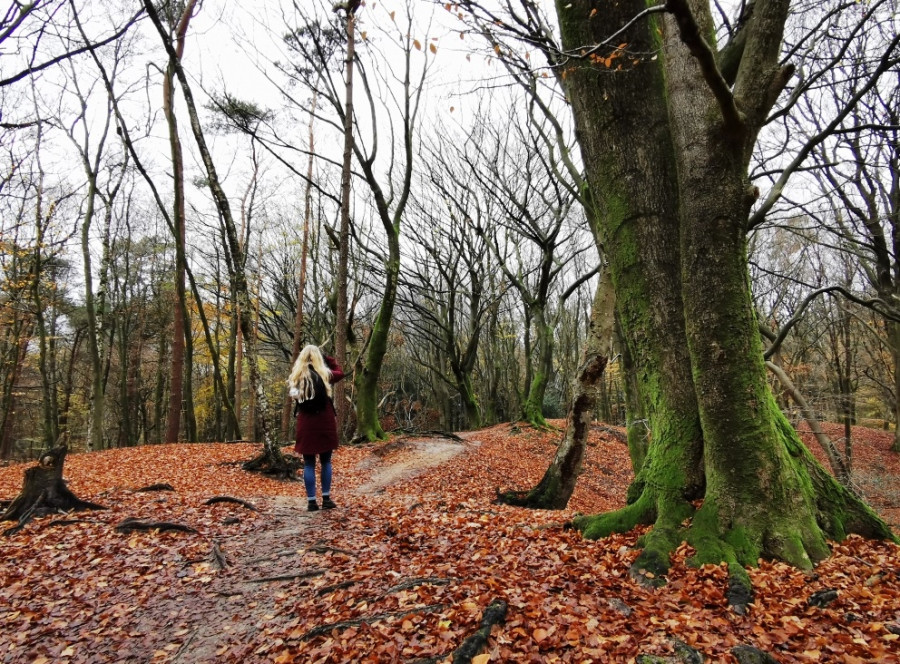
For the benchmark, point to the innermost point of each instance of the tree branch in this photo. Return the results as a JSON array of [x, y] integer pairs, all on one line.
[[706, 59]]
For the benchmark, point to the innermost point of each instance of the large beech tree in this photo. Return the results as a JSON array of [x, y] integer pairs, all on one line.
[[667, 124]]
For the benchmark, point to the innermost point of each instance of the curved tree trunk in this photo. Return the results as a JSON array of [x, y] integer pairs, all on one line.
[[271, 459], [838, 467], [558, 482]]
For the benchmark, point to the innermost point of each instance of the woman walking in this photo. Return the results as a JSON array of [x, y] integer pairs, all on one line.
[[310, 384]]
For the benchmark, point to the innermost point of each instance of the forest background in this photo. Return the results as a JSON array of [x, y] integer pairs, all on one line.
[[471, 268]]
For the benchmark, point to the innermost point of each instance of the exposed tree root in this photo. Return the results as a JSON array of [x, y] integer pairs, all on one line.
[[289, 577], [338, 586], [414, 583], [494, 614], [321, 548], [218, 556], [162, 486], [230, 499], [324, 629], [69, 522], [408, 434], [131, 524], [272, 462], [612, 432]]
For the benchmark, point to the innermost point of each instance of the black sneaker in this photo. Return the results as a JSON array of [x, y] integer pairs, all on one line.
[[328, 503], [313, 506]]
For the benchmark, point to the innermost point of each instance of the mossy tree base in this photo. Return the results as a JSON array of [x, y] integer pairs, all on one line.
[[746, 532]]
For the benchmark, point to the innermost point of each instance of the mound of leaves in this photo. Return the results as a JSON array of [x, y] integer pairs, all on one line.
[[401, 573]]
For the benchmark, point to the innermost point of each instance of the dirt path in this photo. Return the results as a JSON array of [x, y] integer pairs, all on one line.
[[242, 596]]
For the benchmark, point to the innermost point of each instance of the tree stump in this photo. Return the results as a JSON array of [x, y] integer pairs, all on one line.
[[44, 492]]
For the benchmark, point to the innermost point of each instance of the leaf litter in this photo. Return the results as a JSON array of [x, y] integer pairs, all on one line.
[[405, 568]]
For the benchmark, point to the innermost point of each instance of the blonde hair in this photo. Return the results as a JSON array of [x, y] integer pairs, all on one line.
[[309, 357]]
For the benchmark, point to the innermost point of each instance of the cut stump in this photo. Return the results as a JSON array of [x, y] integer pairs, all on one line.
[[44, 492]]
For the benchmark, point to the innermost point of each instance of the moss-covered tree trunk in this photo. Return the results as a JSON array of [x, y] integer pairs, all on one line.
[[894, 339], [533, 405], [760, 500], [666, 142], [558, 482], [469, 399], [621, 123], [368, 426]]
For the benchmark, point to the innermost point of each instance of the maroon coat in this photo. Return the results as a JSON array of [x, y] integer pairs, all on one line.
[[318, 433]]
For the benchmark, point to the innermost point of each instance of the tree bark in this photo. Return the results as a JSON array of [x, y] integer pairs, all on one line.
[[341, 315], [271, 460], [621, 121], [763, 493]]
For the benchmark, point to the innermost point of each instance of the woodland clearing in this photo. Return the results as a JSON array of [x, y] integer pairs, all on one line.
[[403, 570]]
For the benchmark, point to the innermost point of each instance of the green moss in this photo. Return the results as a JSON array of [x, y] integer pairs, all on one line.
[[619, 521], [703, 535]]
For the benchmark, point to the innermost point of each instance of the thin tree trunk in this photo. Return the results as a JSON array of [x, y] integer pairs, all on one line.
[[301, 287], [181, 319], [271, 459], [838, 465], [894, 339], [341, 317]]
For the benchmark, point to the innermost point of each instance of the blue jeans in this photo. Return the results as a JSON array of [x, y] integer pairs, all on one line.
[[309, 474]]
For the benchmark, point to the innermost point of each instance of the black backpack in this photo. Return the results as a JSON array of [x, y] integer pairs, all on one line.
[[318, 401]]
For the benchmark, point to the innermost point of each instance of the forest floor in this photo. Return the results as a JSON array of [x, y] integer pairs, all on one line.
[[403, 570]]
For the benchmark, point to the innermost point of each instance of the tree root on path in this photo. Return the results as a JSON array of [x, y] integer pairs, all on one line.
[[230, 499], [414, 583], [219, 556], [344, 624], [131, 524], [321, 548], [162, 486], [494, 614], [338, 586], [289, 577]]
